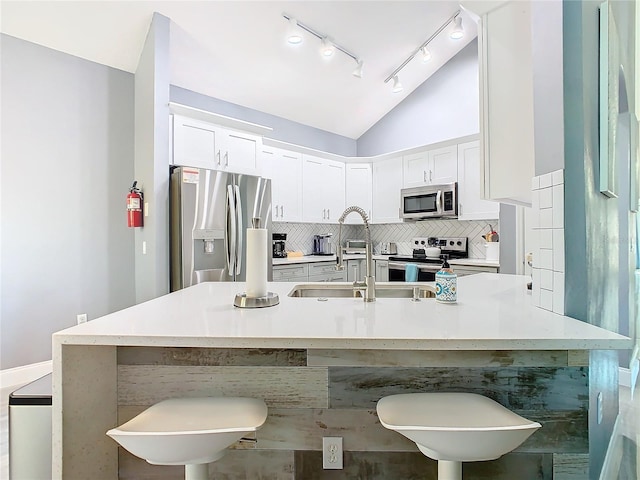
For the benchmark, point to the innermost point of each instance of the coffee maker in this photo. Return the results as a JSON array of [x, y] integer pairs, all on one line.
[[321, 244], [278, 245]]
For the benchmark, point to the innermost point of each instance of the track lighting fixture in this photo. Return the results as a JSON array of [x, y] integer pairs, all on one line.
[[456, 33], [327, 47], [294, 35], [397, 86], [358, 70]]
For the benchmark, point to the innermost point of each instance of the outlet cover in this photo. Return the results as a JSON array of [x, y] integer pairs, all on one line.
[[332, 453]]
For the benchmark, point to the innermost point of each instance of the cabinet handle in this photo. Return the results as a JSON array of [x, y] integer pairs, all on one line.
[[281, 211], [276, 211], [218, 155], [324, 213], [430, 179], [328, 214], [226, 159], [460, 209], [424, 176]]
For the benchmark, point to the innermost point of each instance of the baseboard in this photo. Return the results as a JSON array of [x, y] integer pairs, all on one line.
[[27, 373]]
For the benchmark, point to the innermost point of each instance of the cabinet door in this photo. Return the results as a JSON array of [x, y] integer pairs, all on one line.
[[314, 191], [334, 196], [195, 143], [290, 189], [415, 168], [387, 183], [358, 191], [470, 205], [240, 152], [355, 271], [443, 165], [382, 271]]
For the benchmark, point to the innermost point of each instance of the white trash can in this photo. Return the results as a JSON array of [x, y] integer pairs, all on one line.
[[30, 431]]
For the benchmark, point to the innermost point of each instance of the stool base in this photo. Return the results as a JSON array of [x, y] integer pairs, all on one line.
[[196, 471], [449, 470]]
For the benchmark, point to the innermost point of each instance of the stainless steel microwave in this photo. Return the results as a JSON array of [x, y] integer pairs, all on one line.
[[431, 201]]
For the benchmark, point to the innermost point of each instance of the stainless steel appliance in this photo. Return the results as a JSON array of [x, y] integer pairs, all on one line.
[[432, 201], [278, 240], [321, 244], [454, 247], [388, 248], [355, 247], [209, 214]]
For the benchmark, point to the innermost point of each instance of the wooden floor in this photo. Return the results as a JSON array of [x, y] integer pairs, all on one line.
[[628, 441]]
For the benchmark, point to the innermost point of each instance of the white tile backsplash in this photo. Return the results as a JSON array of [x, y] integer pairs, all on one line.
[[547, 225]]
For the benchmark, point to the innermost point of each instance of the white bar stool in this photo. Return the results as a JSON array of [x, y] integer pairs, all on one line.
[[455, 427], [190, 431]]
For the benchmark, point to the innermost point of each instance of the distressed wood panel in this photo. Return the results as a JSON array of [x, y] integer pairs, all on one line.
[[578, 358], [278, 386], [517, 388], [570, 466], [415, 466], [419, 358], [236, 464], [214, 357]]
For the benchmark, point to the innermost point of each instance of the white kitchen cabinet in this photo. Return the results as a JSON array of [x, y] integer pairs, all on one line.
[[291, 273], [326, 272], [204, 145], [470, 204], [463, 270], [356, 269], [358, 190], [431, 167], [382, 271], [387, 183], [284, 168], [506, 103], [323, 189]]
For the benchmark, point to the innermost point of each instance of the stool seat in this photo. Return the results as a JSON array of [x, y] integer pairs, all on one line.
[[182, 431], [455, 427]]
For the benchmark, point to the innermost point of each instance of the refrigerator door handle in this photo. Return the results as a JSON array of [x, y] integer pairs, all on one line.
[[240, 227], [230, 237]]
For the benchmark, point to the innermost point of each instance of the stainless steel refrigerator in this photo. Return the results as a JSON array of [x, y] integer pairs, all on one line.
[[209, 214]]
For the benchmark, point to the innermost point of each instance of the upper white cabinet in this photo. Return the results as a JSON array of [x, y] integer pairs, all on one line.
[[200, 144], [431, 167], [506, 103], [470, 204], [359, 190], [284, 168], [323, 183], [387, 183]]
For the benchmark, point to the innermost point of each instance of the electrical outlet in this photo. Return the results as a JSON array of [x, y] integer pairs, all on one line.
[[81, 318], [332, 453]]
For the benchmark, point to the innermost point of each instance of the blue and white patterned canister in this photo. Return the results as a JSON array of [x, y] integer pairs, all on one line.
[[446, 286]]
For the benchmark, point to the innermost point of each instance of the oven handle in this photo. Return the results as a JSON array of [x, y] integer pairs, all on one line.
[[424, 268]]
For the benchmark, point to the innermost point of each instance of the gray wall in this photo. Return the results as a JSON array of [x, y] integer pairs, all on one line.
[[283, 129], [67, 163], [445, 106]]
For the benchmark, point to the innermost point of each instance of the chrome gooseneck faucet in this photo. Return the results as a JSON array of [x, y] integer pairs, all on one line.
[[369, 284]]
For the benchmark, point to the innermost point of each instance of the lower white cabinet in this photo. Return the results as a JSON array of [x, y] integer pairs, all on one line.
[[291, 273], [309, 272], [356, 269], [470, 204], [462, 270], [382, 270]]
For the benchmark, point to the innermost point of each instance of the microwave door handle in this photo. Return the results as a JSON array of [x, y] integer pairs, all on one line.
[[230, 237], [240, 227], [439, 202]]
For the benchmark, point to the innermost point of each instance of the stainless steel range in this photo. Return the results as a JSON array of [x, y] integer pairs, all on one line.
[[453, 247]]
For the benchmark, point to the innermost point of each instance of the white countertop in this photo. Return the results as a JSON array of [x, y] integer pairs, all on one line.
[[494, 312], [476, 262]]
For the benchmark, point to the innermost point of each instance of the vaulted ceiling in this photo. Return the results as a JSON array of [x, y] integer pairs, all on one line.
[[237, 51]]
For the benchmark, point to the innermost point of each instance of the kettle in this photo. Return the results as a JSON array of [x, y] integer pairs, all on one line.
[[321, 245]]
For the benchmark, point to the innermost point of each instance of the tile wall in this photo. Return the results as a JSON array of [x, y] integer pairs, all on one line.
[[548, 241], [299, 235]]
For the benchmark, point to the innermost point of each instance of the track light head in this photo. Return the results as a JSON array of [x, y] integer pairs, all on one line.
[[426, 54], [397, 86], [457, 32], [358, 70], [327, 48], [294, 35]]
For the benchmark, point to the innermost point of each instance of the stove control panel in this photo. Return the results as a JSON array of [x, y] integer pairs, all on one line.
[[446, 244]]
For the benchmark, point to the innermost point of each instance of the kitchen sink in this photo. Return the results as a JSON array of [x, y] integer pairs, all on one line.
[[341, 290]]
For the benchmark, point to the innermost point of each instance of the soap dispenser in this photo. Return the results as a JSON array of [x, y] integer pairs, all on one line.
[[446, 283]]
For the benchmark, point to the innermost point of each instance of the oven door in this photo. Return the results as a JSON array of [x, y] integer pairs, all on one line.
[[426, 273]]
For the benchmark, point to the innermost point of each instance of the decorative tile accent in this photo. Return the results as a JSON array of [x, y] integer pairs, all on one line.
[[548, 241]]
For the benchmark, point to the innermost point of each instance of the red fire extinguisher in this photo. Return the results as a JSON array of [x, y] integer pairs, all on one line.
[[134, 206]]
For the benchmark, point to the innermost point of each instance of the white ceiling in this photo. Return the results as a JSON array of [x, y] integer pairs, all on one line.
[[236, 50]]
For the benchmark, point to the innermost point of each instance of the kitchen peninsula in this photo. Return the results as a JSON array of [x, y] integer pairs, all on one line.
[[321, 366]]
